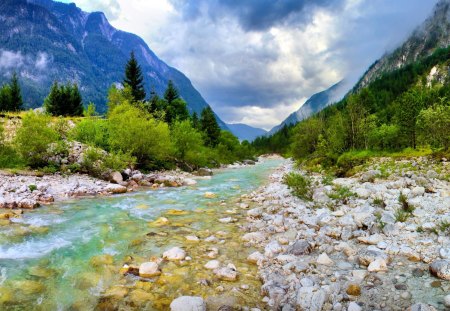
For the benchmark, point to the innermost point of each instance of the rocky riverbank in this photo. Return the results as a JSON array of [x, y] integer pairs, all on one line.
[[31, 190], [375, 241]]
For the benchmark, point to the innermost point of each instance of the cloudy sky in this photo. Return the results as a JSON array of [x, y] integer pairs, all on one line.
[[257, 61]]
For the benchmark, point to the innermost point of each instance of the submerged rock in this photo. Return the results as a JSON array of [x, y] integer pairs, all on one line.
[[188, 303], [174, 253], [226, 274], [441, 269], [149, 269]]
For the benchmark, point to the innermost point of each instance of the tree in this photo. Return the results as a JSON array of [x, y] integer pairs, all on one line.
[[176, 111], [134, 78], [434, 125], [117, 96], [210, 127], [34, 138], [195, 121], [134, 131], [171, 93], [188, 143], [5, 98], [64, 100], [15, 94], [306, 137]]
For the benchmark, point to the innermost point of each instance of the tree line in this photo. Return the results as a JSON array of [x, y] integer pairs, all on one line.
[[402, 109]]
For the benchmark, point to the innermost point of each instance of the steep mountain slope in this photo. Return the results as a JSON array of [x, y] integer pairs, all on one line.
[[432, 34], [46, 41], [314, 104], [246, 132]]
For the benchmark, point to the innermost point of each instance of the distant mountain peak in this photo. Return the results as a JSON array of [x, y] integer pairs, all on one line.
[[432, 34]]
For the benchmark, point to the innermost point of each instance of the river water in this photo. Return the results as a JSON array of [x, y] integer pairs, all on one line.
[[67, 256]]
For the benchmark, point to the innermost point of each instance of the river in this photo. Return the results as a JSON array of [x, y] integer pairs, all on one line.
[[67, 256]]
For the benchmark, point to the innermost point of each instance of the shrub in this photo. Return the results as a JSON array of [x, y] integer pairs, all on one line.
[[188, 144], [403, 200], [34, 137], [32, 187], [136, 132], [341, 194], [91, 131], [350, 160], [379, 202], [300, 185]]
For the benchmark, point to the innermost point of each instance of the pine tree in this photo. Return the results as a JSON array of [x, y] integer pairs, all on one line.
[[195, 121], [134, 78], [52, 102], [209, 126], [153, 104], [171, 93], [5, 98], [75, 103], [15, 94]]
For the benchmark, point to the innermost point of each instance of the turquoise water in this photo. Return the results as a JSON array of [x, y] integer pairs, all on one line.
[[64, 256]]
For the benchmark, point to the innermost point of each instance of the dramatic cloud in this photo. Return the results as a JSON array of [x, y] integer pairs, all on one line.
[[258, 61]]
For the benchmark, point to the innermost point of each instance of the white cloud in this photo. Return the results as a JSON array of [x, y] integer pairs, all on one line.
[[11, 59]]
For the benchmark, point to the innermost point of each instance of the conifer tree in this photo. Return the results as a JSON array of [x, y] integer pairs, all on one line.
[[15, 94], [64, 100], [171, 93], [5, 98], [210, 127], [134, 78], [195, 121]]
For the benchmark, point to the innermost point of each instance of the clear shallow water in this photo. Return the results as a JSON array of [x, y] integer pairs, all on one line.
[[62, 257]]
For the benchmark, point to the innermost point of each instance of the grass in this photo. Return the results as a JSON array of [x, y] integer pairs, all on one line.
[[379, 202], [444, 226], [32, 187], [402, 214], [300, 185]]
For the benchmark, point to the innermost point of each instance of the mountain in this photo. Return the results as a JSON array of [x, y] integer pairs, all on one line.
[[314, 104], [246, 132], [434, 33], [46, 41]]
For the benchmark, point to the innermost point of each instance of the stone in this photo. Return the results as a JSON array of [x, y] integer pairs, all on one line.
[[192, 238], [204, 172], [353, 306], [421, 307], [353, 290], [300, 247], [255, 258], [372, 240], [447, 301], [210, 195], [417, 192], [116, 292], [140, 297], [254, 237], [441, 269], [116, 177], [308, 298], [227, 220], [212, 264], [323, 259], [149, 269], [189, 182], [367, 256], [378, 265], [188, 303], [161, 221], [174, 253], [226, 274], [370, 176]]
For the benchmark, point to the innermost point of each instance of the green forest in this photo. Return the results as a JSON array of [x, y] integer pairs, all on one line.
[[158, 133], [402, 112]]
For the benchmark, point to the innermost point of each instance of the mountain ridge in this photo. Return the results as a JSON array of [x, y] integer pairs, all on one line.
[[81, 47], [246, 132]]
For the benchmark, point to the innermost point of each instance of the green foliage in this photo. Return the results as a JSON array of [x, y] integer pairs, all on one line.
[[401, 215], [118, 96], [133, 130], [11, 96], [444, 226], [64, 100], [280, 142], [434, 125], [379, 202], [341, 194], [171, 93], [34, 137], [32, 187], [134, 79], [300, 185], [403, 200], [90, 111], [91, 131], [210, 127], [306, 137], [188, 144]]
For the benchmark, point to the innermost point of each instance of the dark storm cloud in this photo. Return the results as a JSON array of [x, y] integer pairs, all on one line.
[[256, 15]]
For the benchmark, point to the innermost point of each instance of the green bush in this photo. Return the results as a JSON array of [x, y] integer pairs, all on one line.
[[341, 194], [91, 131], [136, 132], [34, 138], [32, 187], [188, 144], [300, 185]]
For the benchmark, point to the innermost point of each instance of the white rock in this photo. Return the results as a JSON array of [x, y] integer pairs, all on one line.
[[189, 182], [188, 303], [417, 191], [254, 237], [447, 301], [149, 269], [213, 264], [377, 266], [353, 306], [226, 274], [256, 258], [174, 253], [323, 259], [227, 220], [192, 238]]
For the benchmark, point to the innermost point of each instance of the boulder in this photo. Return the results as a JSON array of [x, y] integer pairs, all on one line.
[[212, 264], [255, 258], [204, 172], [116, 177], [300, 247], [377, 265], [441, 269], [174, 253], [226, 273], [149, 269]]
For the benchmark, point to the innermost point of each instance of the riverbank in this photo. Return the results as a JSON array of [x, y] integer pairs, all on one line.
[[355, 246], [29, 191]]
